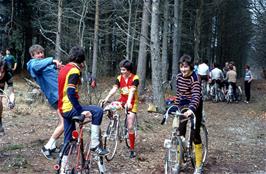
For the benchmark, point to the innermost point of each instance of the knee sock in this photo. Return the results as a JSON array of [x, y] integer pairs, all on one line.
[[51, 144], [198, 154], [131, 137], [95, 134]]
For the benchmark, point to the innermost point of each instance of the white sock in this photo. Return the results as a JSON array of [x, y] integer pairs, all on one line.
[[51, 144], [95, 131]]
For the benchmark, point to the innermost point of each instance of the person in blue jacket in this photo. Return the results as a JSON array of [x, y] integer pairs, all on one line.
[[44, 72]]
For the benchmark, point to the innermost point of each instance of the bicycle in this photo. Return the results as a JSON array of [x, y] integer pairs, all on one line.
[[79, 157], [229, 95], [204, 90], [179, 149], [115, 130], [216, 93]]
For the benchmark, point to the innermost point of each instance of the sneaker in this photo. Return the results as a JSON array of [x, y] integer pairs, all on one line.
[[246, 101], [46, 153], [132, 154], [100, 151], [198, 170]]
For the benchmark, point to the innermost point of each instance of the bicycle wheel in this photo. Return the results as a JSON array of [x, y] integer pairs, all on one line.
[[111, 139], [173, 157], [74, 163], [58, 164], [204, 140], [75, 159]]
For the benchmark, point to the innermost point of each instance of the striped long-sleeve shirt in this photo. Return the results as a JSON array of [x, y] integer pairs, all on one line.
[[188, 91]]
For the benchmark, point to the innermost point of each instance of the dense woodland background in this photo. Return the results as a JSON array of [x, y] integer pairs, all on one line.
[[151, 33]]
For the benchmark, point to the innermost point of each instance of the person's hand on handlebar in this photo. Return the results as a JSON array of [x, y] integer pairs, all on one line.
[[188, 113]]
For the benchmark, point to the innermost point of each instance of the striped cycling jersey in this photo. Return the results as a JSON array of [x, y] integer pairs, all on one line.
[[188, 91], [68, 81], [124, 87]]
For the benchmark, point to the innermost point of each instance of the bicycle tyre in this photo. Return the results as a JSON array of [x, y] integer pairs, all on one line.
[[204, 139], [173, 157], [111, 139], [60, 156], [75, 158]]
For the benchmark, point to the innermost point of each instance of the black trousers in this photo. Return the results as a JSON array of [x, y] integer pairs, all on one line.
[[247, 90], [195, 133]]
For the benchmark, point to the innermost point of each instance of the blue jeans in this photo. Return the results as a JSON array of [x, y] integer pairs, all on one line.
[[69, 125]]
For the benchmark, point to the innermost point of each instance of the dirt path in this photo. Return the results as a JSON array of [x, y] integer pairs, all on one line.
[[237, 139]]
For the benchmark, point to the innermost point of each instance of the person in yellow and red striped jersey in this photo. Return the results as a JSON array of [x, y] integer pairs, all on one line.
[[127, 83], [69, 79]]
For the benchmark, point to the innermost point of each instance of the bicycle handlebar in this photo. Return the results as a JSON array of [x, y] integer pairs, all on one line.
[[177, 113]]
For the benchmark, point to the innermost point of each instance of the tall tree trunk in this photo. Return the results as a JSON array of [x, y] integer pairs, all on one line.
[[129, 28], [180, 19], [197, 30], [175, 44], [59, 30], [142, 57], [95, 41], [165, 42], [82, 24], [133, 36], [158, 97]]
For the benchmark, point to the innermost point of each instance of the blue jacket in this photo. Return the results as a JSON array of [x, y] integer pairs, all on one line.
[[44, 72]]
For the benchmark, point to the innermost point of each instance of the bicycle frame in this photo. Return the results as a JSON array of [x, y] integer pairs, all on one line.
[[115, 131], [83, 156], [179, 148]]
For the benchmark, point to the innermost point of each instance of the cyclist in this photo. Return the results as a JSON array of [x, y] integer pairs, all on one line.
[[69, 79], [203, 70], [6, 78], [44, 72], [231, 78], [127, 83], [189, 94], [216, 75], [203, 74]]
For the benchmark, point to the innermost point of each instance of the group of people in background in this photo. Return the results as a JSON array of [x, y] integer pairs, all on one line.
[[225, 76]]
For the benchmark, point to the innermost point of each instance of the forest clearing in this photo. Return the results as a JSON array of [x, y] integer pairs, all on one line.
[[237, 137]]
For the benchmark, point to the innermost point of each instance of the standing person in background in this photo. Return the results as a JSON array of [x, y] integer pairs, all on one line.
[[248, 78], [203, 70], [11, 60], [233, 64], [231, 77]]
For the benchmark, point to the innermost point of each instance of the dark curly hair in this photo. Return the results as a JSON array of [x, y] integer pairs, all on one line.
[[77, 55], [187, 59], [126, 64]]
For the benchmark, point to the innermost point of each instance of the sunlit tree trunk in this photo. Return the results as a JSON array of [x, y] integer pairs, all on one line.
[[158, 97], [95, 41], [165, 42], [142, 57], [59, 30]]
